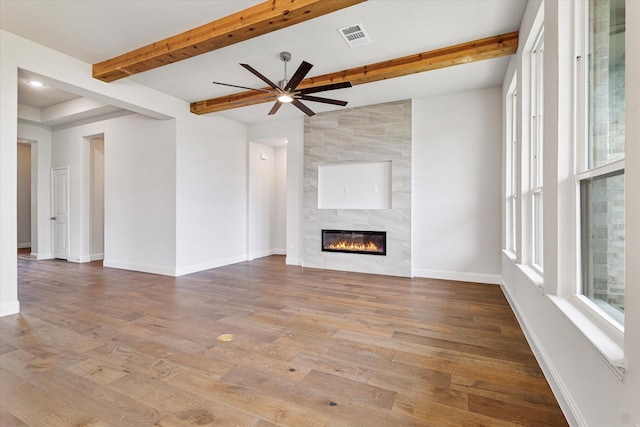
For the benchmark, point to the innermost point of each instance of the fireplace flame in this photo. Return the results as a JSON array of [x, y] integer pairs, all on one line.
[[353, 246]]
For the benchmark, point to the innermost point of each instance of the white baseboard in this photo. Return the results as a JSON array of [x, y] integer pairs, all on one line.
[[293, 261], [493, 279], [567, 404], [7, 309], [181, 271], [154, 269], [24, 245], [96, 257], [268, 252], [88, 258], [42, 255], [260, 254]]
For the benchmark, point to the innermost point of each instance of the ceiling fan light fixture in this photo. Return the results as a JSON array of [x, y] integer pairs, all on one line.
[[285, 97]]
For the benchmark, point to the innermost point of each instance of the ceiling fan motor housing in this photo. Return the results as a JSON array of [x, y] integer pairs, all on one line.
[[285, 56]]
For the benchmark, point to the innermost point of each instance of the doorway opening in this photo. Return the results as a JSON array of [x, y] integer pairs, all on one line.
[[95, 196], [26, 184], [267, 218]]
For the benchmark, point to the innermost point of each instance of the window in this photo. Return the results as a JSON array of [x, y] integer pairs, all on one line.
[[600, 177], [511, 158], [536, 157]]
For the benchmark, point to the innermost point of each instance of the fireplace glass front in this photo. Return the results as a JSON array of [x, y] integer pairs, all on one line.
[[358, 242]]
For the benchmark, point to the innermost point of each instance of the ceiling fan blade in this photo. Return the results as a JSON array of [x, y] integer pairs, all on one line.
[[303, 108], [323, 100], [322, 88], [298, 76], [242, 87], [275, 108], [260, 76]]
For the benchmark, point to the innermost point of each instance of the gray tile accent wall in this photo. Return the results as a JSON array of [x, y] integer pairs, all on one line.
[[374, 133]]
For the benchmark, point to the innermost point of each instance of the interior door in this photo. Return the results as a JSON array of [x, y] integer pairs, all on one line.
[[60, 211]]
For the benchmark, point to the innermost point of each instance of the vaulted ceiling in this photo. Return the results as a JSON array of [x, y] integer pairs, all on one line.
[[99, 30]]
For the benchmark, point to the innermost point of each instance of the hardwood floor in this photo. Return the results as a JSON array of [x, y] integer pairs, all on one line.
[[106, 347], [25, 253]]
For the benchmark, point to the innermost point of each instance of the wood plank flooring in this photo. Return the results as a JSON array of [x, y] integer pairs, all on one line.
[[102, 347]]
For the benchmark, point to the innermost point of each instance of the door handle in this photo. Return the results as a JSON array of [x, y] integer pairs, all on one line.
[[52, 218]]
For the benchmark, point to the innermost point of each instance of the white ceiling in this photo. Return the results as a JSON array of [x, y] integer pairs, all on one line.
[[39, 97], [101, 29]]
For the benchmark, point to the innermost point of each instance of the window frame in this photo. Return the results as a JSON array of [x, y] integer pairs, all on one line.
[[536, 156], [511, 163], [600, 331], [584, 172]]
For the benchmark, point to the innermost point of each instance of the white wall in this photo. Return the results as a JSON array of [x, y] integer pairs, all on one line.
[[8, 182], [139, 191], [456, 186], [629, 397], [24, 195], [588, 390], [211, 193], [279, 223], [292, 130], [40, 138], [140, 194]]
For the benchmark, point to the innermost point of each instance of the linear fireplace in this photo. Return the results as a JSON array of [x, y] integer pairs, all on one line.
[[355, 242]]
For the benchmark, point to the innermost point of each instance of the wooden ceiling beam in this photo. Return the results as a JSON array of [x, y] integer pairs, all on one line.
[[268, 16], [464, 53]]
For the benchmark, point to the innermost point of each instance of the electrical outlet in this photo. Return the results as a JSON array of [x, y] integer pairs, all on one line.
[[376, 189]]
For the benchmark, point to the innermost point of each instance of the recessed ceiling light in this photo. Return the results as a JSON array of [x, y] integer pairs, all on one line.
[[35, 83]]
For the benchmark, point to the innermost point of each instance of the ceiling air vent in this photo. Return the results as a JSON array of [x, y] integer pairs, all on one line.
[[355, 35]]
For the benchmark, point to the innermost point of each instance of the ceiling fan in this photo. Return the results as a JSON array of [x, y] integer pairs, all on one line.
[[285, 91]]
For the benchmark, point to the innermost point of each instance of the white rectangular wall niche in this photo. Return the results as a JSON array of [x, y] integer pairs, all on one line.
[[354, 185]]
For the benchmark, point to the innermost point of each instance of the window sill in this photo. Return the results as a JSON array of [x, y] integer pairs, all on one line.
[[510, 254], [533, 275], [601, 336]]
